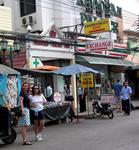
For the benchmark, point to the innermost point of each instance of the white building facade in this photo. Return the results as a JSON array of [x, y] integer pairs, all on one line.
[[45, 16]]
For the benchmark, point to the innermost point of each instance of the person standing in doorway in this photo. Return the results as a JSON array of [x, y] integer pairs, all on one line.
[[24, 120], [81, 95], [37, 100], [126, 96], [49, 93], [117, 87]]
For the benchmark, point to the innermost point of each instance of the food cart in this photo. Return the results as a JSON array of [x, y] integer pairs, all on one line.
[[9, 94]]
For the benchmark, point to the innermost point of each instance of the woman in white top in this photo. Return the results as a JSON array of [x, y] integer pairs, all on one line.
[[37, 100]]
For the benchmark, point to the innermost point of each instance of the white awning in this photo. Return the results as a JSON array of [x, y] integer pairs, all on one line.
[[105, 61]]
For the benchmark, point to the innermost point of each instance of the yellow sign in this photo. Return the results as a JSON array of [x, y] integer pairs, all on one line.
[[98, 26], [87, 80]]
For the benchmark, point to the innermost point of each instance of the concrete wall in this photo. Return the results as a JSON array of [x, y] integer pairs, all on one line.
[[62, 13]]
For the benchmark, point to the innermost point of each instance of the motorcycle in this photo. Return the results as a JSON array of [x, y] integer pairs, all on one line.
[[7, 132], [101, 109]]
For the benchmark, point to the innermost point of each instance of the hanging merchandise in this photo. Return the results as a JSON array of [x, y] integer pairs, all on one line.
[[12, 91], [3, 79], [10, 86]]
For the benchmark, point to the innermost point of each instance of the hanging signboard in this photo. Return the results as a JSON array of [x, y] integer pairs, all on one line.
[[35, 62], [99, 45], [87, 80], [98, 26]]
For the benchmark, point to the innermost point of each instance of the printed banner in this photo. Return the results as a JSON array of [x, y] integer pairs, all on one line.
[[87, 80], [98, 26]]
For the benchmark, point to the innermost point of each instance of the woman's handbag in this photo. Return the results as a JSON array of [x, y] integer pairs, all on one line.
[[69, 98], [17, 111]]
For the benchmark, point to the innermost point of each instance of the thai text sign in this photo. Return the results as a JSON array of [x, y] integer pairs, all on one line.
[[98, 26], [108, 99], [87, 80], [99, 45]]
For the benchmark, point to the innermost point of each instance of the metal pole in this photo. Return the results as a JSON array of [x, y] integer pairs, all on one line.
[[11, 57], [88, 94], [76, 76], [4, 57]]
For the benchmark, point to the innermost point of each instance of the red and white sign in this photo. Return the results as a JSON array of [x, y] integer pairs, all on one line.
[[105, 52], [99, 45], [57, 97], [107, 99], [120, 46]]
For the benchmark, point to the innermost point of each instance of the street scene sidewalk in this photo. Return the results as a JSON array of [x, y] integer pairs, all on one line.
[[136, 104], [94, 134], [83, 115], [90, 112]]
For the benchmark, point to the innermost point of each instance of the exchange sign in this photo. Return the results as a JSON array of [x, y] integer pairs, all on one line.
[[99, 45]]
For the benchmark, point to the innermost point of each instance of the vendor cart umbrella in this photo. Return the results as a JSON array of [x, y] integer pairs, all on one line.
[[72, 70]]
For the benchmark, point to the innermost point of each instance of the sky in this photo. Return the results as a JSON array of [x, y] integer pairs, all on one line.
[[128, 5]]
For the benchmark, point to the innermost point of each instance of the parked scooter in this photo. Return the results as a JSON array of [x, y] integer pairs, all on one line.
[[7, 132], [101, 109]]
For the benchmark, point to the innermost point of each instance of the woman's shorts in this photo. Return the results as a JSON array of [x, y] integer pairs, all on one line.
[[39, 115]]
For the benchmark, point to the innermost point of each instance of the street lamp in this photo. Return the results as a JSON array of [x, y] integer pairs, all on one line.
[[4, 45], [16, 46]]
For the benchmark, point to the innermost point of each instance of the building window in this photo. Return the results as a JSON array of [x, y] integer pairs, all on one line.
[[1, 3], [132, 43], [27, 7]]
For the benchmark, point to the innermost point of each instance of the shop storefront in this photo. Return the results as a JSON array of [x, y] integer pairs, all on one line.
[[50, 48], [111, 68]]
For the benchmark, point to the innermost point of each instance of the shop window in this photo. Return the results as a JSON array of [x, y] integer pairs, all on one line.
[[27, 7], [132, 43]]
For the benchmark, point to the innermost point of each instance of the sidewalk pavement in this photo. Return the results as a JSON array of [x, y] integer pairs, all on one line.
[[135, 103], [90, 113], [86, 114]]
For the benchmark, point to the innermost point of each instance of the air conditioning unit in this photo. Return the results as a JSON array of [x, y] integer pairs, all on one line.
[[28, 20]]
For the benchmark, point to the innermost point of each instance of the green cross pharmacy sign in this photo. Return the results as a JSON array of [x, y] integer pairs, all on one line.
[[35, 62]]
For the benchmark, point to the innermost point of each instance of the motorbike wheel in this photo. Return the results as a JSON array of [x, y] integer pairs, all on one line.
[[97, 112], [110, 114], [11, 138]]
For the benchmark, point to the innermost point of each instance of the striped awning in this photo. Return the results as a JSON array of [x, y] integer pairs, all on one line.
[[105, 61], [7, 70]]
